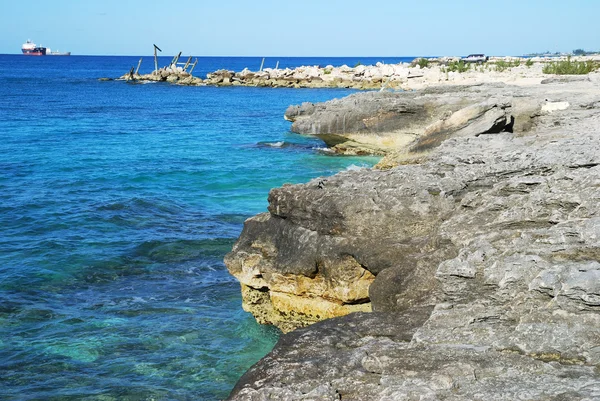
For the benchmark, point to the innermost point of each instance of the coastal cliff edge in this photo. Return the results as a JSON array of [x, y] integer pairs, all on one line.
[[477, 253]]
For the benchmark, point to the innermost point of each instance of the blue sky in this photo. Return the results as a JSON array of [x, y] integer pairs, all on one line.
[[301, 27]]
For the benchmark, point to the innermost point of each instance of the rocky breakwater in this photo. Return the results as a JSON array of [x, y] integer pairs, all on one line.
[[418, 74], [171, 74], [484, 263], [360, 77]]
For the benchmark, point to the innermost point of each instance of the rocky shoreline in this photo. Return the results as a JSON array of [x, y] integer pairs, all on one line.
[[403, 76], [476, 244]]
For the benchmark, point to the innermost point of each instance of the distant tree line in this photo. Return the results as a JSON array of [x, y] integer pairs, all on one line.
[[581, 52], [576, 52]]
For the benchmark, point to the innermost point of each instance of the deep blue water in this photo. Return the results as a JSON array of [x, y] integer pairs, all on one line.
[[117, 205]]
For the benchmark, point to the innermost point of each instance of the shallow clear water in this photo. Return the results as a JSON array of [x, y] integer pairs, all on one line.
[[118, 203]]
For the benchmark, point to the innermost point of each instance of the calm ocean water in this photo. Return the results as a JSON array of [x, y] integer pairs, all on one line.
[[117, 205]]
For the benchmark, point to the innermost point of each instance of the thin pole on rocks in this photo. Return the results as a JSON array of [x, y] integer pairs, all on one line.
[[156, 58], [193, 66], [175, 60], [138, 67], [277, 65], [385, 84], [187, 64], [262, 64]]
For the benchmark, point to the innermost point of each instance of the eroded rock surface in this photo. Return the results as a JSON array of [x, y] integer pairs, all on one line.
[[407, 125], [368, 357], [486, 270], [382, 122]]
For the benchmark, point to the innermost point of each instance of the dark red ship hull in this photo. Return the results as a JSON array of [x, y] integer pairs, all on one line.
[[38, 51]]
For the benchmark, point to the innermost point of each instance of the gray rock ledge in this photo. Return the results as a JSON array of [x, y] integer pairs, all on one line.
[[405, 125], [482, 263]]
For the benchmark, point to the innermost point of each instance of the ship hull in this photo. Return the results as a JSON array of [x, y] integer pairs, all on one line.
[[38, 51]]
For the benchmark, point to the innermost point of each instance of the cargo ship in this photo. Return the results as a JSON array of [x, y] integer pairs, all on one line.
[[31, 49]]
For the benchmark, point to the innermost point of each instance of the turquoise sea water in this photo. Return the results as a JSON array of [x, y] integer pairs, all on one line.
[[117, 205]]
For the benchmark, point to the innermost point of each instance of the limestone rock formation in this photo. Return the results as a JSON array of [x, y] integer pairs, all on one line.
[[383, 122], [404, 126], [284, 285], [484, 261], [372, 357]]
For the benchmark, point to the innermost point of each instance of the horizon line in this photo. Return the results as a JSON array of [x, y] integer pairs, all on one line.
[[312, 56]]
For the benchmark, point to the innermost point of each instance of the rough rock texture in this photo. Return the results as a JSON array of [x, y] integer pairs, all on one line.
[[486, 265], [380, 122], [367, 357], [290, 285], [171, 74], [317, 251], [407, 124]]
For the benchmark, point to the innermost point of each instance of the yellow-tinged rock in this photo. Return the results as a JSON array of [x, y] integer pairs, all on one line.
[[313, 309]]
